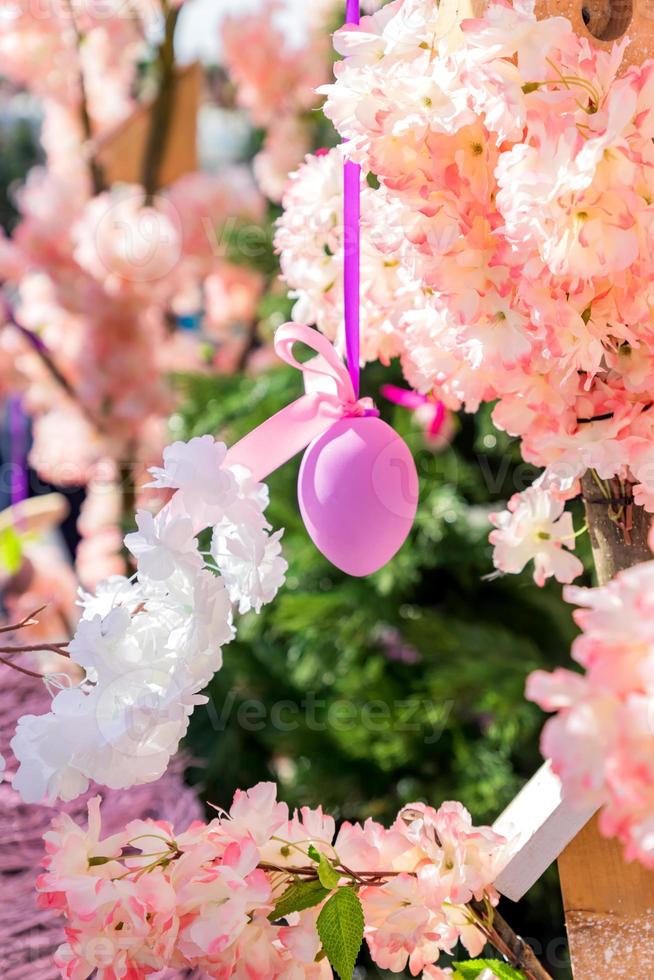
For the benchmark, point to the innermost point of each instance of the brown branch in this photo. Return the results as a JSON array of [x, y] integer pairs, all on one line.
[[514, 949], [57, 648], [22, 670], [162, 108], [30, 620], [44, 355], [250, 345]]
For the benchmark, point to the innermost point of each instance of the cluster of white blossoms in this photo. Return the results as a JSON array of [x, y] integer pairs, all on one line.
[[149, 645]]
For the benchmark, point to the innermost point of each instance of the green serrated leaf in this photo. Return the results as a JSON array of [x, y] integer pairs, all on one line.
[[299, 896], [328, 876], [11, 551], [487, 970], [340, 927]]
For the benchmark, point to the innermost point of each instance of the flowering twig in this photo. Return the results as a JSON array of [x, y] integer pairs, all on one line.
[[95, 170], [59, 648], [496, 930], [29, 620]]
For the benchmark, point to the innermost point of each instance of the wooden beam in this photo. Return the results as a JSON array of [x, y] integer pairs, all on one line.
[[609, 905], [609, 909]]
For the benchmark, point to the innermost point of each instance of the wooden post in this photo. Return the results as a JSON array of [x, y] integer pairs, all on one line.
[[606, 21], [609, 909]]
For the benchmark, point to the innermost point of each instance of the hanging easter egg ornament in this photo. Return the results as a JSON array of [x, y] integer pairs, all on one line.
[[358, 485]]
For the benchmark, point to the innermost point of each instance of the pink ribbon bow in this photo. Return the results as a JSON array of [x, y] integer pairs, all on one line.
[[329, 397]]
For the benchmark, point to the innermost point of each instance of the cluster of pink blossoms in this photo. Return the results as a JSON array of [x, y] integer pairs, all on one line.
[[148, 897], [600, 739], [276, 80], [98, 272], [39, 49], [515, 212]]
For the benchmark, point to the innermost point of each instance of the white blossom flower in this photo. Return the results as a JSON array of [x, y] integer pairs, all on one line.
[[197, 469], [535, 527], [251, 563], [162, 544]]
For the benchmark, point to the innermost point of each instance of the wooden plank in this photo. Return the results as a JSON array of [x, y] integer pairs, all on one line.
[[542, 824], [120, 152]]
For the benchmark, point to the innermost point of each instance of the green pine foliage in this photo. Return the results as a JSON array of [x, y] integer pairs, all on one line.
[[366, 694]]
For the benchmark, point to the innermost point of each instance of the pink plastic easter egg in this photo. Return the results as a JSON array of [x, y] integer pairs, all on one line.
[[358, 494]]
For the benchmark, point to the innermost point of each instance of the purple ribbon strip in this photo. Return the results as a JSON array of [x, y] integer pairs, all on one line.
[[352, 246], [18, 449]]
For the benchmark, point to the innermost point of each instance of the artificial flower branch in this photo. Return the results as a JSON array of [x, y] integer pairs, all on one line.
[[226, 896], [151, 643], [497, 931]]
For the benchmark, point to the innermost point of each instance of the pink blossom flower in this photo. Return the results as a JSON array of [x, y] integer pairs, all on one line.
[[127, 244], [600, 736]]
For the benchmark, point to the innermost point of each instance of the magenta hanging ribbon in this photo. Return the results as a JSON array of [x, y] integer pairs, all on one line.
[[352, 246], [413, 400], [332, 388], [329, 396]]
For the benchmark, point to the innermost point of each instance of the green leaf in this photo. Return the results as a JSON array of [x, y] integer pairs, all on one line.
[[11, 551], [475, 968], [314, 853], [340, 927], [328, 876], [299, 896]]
